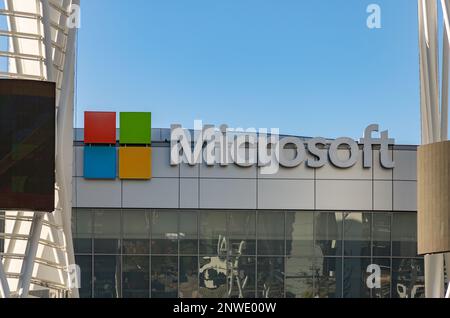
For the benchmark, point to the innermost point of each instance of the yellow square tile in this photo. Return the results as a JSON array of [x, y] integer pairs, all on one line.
[[135, 163]]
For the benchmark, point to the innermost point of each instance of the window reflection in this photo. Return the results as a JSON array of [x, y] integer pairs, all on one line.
[[381, 234], [357, 234], [135, 277], [241, 279], [408, 278], [271, 233], [164, 232], [164, 277], [328, 234], [83, 231], [107, 232], [188, 233], [355, 278], [136, 232], [106, 276], [404, 234], [385, 279], [299, 277], [188, 277], [85, 263], [213, 276], [213, 230], [270, 277], [328, 276], [242, 233], [299, 234]]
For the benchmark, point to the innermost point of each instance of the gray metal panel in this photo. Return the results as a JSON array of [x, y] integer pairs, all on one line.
[[230, 171], [98, 193], [405, 165], [356, 172], [405, 196], [161, 167], [189, 193], [286, 194], [380, 173], [228, 194], [382, 195], [78, 162], [344, 194], [187, 171], [156, 193], [300, 172]]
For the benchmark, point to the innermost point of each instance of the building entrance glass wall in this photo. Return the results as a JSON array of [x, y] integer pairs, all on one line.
[[230, 254]]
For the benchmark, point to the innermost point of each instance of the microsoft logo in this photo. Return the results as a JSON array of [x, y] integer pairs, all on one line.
[[134, 150]]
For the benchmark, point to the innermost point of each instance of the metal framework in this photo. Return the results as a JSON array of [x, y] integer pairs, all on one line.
[[434, 112], [38, 249]]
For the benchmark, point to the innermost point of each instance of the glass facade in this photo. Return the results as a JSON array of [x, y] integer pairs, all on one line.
[[231, 254]]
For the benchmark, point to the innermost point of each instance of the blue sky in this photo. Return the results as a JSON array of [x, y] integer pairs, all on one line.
[[310, 68]]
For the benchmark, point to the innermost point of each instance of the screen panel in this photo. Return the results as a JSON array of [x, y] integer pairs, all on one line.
[[27, 145]]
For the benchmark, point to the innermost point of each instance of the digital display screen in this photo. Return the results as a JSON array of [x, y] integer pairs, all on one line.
[[27, 145]]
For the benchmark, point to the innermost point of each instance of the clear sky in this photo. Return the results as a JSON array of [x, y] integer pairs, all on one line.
[[310, 68]]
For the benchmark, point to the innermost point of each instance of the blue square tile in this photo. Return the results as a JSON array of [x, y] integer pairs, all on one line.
[[100, 162]]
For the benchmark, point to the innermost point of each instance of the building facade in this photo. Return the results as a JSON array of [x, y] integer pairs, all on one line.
[[201, 231]]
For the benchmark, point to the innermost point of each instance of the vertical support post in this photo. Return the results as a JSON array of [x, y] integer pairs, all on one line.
[[47, 40], [4, 287], [23, 286]]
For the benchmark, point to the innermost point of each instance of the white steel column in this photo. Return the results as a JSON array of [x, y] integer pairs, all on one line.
[[4, 286], [30, 255]]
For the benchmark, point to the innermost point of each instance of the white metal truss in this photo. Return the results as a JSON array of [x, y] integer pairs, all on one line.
[[434, 111], [38, 249]]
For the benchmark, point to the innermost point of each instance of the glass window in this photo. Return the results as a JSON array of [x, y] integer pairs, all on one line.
[[164, 232], [328, 277], [299, 277], [107, 276], [213, 227], [299, 234], [85, 263], [328, 228], [381, 232], [242, 232], [213, 274], [135, 277], [107, 232], [83, 231], [385, 280], [271, 233], [242, 280], [136, 232], [188, 287], [164, 277], [408, 280], [404, 234], [270, 277], [357, 234], [355, 278], [188, 233]]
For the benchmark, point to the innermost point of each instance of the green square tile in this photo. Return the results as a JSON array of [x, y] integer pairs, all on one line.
[[135, 128]]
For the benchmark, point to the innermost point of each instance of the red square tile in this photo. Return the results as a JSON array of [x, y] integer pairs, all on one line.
[[99, 127]]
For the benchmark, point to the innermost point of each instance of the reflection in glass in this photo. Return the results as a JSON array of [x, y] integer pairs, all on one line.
[[385, 279], [164, 232], [270, 277], [188, 277], [299, 277], [242, 277], [299, 233], [328, 277], [271, 233], [408, 280], [83, 231], [328, 234], [381, 232], [188, 233], [107, 232], [355, 278], [357, 234], [164, 277], [213, 233], [404, 234], [242, 233], [213, 276], [135, 277], [136, 232], [85, 263], [106, 276]]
